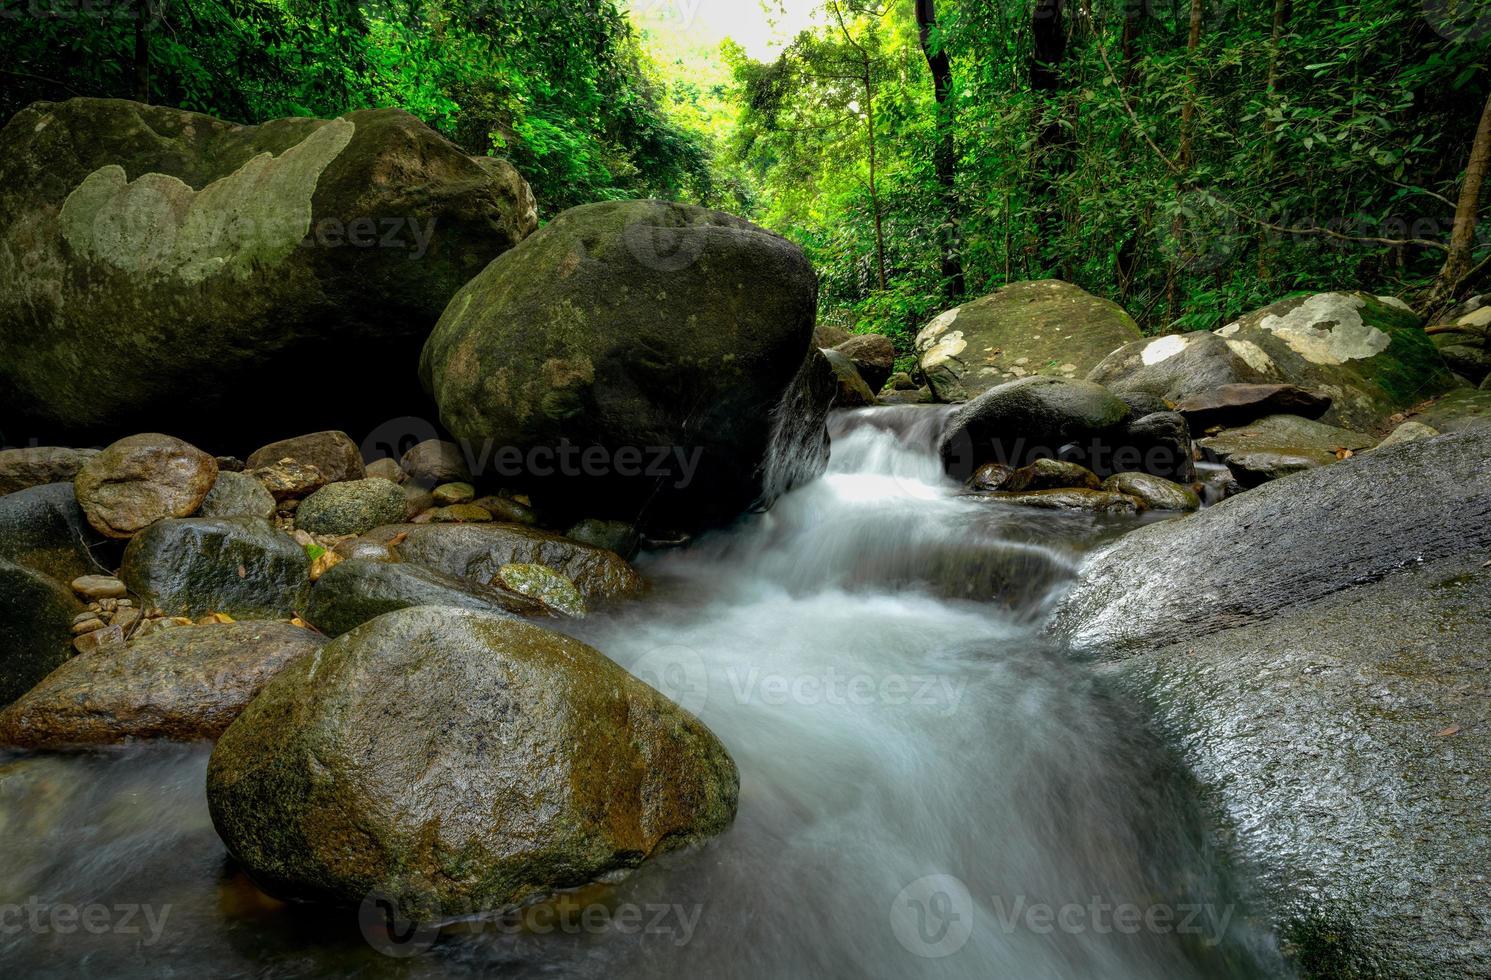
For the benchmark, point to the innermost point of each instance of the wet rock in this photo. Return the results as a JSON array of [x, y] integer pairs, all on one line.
[[1232, 405], [238, 495], [1463, 336], [1025, 420], [799, 436], [136, 304], [477, 551], [826, 335], [181, 684], [919, 396], [1070, 499], [417, 499], [434, 462], [99, 587], [624, 325], [1281, 445], [853, 391], [508, 511], [387, 469], [358, 590], [1047, 327], [333, 453], [143, 479], [477, 761], [542, 583], [617, 536], [1156, 493], [363, 548], [352, 508], [1160, 372], [1158, 444], [289, 481], [229, 464], [990, 476], [460, 514], [1461, 409], [241, 566], [1051, 474], [901, 381], [44, 529], [36, 619], [873, 356], [105, 640], [21, 469]]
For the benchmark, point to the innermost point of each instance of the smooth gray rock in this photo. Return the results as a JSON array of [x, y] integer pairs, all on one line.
[[1024, 420], [241, 566], [36, 617], [44, 529], [35, 466], [237, 495]]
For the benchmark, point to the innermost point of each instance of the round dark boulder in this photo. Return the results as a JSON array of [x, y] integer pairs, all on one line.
[[626, 360], [1021, 421], [352, 508], [44, 529], [454, 762], [874, 357]]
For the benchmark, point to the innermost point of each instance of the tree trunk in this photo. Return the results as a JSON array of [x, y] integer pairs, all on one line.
[[142, 52], [1048, 33], [945, 160], [1462, 236], [1183, 160], [874, 191]]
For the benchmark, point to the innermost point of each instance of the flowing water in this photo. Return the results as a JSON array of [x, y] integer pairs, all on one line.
[[928, 788]]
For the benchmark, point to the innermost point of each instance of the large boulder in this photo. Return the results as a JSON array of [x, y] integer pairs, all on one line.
[[37, 466], [179, 684], [332, 452], [36, 617], [854, 391], [160, 263], [142, 479], [1048, 327], [357, 590], [477, 552], [874, 357], [1370, 356], [1315, 649], [455, 761], [44, 529], [1463, 336], [1165, 371], [352, 508], [241, 566], [1461, 409], [626, 360]]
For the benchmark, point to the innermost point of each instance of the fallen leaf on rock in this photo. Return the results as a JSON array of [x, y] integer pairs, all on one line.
[[242, 572], [1344, 454], [1452, 730]]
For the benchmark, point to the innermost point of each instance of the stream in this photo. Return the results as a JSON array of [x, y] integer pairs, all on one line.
[[928, 787]]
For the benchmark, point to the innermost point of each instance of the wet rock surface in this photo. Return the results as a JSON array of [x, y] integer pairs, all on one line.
[[477, 762], [333, 453], [180, 684], [241, 566], [352, 508], [44, 529], [142, 479], [37, 613], [237, 495], [359, 589], [1281, 445], [38, 466]]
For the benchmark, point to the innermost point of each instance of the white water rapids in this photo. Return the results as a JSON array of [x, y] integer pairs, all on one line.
[[927, 787]]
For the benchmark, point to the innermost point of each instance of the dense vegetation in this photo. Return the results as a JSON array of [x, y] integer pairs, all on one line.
[[1189, 159]]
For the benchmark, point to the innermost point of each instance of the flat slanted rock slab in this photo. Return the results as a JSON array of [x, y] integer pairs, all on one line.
[[181, 684], [1280, 445]]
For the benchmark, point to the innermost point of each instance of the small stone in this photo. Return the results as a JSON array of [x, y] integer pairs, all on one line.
[[1051, 474], [434, 462], [454, 493], [238, 495], [85, 617], [100, 639], [99, 587], [508, 511], [229, 464], [323, 563], [107, 605], [125, 618], [1157, 493], [541, 582], [990, 476], [87, 626]]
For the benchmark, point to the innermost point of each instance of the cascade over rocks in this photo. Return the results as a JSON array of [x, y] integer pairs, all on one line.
[[1046, 327], [179, 684], [650, 336], [156, 263], [1316, 647], [476, 761]]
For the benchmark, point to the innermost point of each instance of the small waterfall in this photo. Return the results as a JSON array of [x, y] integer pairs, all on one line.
[[798, 451]]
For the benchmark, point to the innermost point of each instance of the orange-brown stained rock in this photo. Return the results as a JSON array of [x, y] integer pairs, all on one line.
[[143, 479], [457, 761], [181, 684]]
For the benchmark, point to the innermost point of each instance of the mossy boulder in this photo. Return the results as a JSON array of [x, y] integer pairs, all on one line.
[[157, 263], [332, 452], [1280, 445], [657, 337], [357, 590], [1461, 409], [36, 617], [1045, 327], [1156, 493], [352, 508], [455, 762], [241, 566], [180, 684], [238, 495]]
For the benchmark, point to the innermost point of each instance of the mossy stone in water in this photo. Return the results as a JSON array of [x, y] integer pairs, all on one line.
[[457, 761], [546, 585]]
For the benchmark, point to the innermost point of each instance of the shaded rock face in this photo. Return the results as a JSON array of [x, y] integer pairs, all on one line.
[[1461, 409], [1156, 493], [799, 447], [359, 589], [1463, 336], [21, 469], [434, 461], [478, 552], [617, 536], [476, 761], [333, 453], [1047, 327], [1370, 357], [142, 479], [1159, 444], [241, 566], [44, 529], [874, 357], [213, 261], [352, 508], [1168, 370], [1316, 650], [1280, 445], [1021, 421], [179, 684], [854, 391], [655, 336], [36, 616], [1235, 404]]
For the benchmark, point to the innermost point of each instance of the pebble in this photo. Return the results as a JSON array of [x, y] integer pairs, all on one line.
[[99, 587], [125, 618], [99, 639]]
